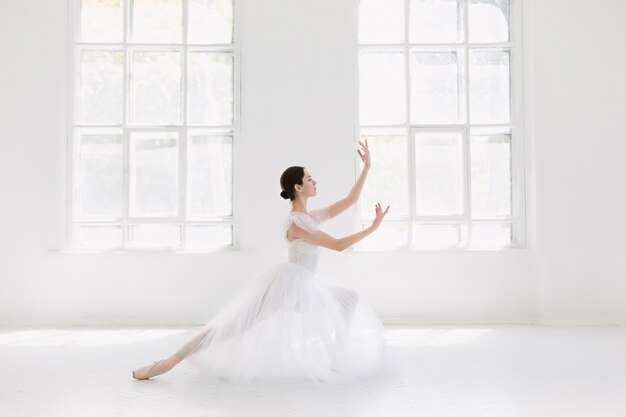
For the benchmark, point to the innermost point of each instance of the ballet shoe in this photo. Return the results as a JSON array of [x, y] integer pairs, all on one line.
[[153, 369]]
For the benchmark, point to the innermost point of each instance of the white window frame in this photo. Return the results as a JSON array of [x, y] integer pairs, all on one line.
[[517, 219], [73, 128]]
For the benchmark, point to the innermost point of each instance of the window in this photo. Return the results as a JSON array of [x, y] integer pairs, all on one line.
[[440, 105], [154, 117]]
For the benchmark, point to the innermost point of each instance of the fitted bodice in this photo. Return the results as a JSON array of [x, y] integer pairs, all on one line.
[[301, 252]]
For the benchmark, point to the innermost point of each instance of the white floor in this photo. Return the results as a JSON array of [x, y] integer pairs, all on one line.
[[501, 371]]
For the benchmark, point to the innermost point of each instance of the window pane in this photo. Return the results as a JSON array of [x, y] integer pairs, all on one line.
[[209, 176], [154, 174], [157, 21], [155, 88], [436, 89], [203, 237], [439, 174], [382, 88], [88, 237], [490, 86], [491, 175], [140, 96], [387, 181], [389, 235], [102, 86], [100, 175], [489, 20], [435, 21], [210, 79], [154, 235], [439, 236], [491, 235], [102, 21], [381, 21], [210, 21]]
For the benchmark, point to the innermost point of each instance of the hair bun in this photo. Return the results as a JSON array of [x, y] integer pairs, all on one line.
[[284, 195]]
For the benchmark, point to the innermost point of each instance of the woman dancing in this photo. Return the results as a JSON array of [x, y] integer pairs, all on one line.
[[290, 323]]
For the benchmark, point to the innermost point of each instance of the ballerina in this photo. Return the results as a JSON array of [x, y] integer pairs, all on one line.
[[291, 323]]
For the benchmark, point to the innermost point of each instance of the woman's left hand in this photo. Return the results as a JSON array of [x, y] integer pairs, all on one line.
[[364, 153]]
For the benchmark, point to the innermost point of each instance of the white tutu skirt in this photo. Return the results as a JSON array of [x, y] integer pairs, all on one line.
[[291, 325]]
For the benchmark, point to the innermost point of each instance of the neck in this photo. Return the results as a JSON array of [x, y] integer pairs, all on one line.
[[299, 204]]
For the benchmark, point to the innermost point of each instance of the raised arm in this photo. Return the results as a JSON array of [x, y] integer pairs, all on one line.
[[354, 194], [339, 244]]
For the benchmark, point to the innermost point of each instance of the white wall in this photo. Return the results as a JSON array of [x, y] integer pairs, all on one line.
[[580, 154], [298, 108]]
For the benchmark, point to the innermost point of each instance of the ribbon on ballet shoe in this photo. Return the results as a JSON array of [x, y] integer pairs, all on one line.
[[154, 369]]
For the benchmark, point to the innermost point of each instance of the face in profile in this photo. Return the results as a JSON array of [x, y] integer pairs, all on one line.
[[309, 185]]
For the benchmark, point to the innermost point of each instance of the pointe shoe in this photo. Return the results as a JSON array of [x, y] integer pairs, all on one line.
[[153, 369]]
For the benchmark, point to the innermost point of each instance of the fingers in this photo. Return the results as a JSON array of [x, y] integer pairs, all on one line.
[[379, 209], [363, 152]]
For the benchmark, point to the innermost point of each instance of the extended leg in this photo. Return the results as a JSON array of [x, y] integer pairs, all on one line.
[[156, 368], [195, 343], [257, 313]]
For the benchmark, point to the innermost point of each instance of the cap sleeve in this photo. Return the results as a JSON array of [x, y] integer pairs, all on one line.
[[303, 221], [321, 215]]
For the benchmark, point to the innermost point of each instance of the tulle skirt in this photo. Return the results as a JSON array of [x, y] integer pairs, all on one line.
[[291, 325]]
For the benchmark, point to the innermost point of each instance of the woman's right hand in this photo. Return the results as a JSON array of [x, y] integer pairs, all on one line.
[[380, 215]]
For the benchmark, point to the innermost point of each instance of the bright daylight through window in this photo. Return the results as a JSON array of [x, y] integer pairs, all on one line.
[[440, 105], [153, 125]]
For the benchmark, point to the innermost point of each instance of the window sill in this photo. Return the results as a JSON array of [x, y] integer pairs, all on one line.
[[409, 249], [164, 250]]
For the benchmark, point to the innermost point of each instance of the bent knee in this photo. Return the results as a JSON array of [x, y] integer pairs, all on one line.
[[347, 296], [353, 295]]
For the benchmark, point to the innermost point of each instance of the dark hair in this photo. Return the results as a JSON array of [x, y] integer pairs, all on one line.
[[291, 177]]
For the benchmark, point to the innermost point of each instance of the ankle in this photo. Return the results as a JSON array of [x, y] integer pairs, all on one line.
[[173, 360]]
